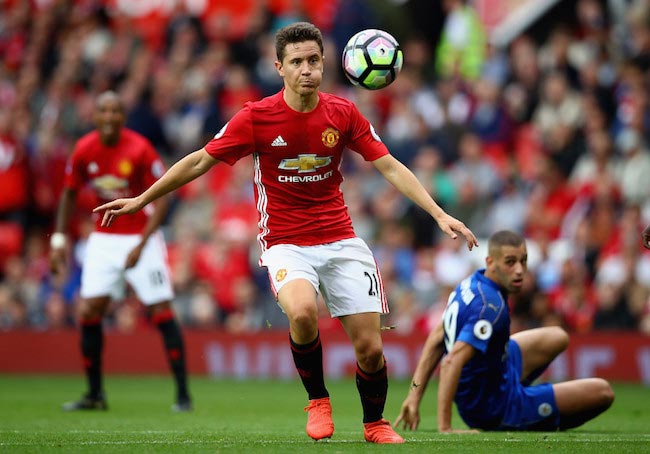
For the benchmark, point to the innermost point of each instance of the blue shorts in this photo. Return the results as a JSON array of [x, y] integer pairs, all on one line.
[[529, 407]]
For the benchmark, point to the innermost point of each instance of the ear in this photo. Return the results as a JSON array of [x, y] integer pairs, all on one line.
[[278, 68]]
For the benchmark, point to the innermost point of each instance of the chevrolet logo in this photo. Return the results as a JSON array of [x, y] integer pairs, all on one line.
[[305, 163]]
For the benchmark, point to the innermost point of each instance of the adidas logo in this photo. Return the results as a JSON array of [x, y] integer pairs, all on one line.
[[278, 142]]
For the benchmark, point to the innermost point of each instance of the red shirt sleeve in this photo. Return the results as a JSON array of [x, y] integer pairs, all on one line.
[[235, 140], [364, 139]]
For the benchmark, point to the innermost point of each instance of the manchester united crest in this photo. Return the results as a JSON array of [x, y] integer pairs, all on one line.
[[124, 167], [330, 137], [281, 274]]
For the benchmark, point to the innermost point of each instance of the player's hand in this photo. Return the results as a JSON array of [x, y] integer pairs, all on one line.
[[57, 261], [645, 237], [134, 256], [117, 208], [452, 227], [409, 416]]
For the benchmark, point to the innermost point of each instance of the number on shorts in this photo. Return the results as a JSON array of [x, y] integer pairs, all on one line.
[[374, 283], [157, 278]]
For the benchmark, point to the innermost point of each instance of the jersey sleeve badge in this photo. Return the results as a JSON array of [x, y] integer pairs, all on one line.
[[483, 329]]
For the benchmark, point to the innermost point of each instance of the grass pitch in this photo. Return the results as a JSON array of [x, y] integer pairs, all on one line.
[[267, 417]]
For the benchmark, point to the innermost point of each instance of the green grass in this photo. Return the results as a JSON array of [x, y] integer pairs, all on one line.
[[267, 417]]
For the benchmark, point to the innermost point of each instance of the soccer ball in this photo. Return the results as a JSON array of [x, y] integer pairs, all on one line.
[[372, 59]]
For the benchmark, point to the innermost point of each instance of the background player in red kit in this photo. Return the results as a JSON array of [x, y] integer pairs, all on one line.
[[117, 162], [308, 244]]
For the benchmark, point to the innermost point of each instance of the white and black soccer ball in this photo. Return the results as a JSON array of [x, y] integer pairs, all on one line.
[[372, 59]]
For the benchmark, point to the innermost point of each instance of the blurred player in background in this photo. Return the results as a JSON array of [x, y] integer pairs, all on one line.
[[297, 137], [487, 372], [115, 161]]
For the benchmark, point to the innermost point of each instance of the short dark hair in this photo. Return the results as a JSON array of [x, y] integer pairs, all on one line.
[[108, 95], [504, 238], [298, 32]]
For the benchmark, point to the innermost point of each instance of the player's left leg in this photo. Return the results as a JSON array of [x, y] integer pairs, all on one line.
[[371, 376], [92, 344], [539, 347], [579, 401], [163, 317], [150, 279]]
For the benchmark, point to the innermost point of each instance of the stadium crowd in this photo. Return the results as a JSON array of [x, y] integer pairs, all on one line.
[[548, 136]]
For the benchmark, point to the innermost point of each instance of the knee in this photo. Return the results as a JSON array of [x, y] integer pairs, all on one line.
[[560, 337], [370, 356], [91, 309], [303, 318], [605, 393]]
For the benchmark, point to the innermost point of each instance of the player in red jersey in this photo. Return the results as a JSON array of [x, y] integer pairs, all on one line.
[[117, 162], [308, 244]]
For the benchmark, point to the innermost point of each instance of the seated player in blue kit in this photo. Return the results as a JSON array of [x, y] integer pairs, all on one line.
[[486, 371]]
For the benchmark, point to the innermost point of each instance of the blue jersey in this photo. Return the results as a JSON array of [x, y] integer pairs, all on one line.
[[477, 314]]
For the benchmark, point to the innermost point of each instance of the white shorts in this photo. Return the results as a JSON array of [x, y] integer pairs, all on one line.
[[344, 272], [103, 272]]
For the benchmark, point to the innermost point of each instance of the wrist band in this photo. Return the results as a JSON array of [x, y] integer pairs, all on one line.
[[57, 240]]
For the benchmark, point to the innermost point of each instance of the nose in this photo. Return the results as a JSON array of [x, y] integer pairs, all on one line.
[[520, 269]]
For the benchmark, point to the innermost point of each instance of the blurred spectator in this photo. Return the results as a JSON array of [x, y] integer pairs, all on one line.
[[476, 180], [554, 55], [221, 264], [557, 119], [508, 209], [599, 166], [549, 201], [14, 187], [521, 93], [490, 121], [573, 299], [636, 162], [461, 50]]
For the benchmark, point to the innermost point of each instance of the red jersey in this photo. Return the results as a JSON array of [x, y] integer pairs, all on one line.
[[122, 170], [296, 159]]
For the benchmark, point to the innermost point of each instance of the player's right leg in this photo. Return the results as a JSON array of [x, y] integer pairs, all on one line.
[[101, 281], [298, 300], [579, 401], [92, 313]]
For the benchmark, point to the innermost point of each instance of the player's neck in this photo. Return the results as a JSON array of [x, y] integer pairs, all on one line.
[[301, 103]]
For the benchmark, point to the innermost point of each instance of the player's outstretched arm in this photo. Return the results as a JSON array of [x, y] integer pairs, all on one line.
[[645, 237], [407, 183], [409, 416], [450, 370], [187, 169]]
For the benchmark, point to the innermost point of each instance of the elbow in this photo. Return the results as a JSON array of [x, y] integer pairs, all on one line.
[[446, 363]]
